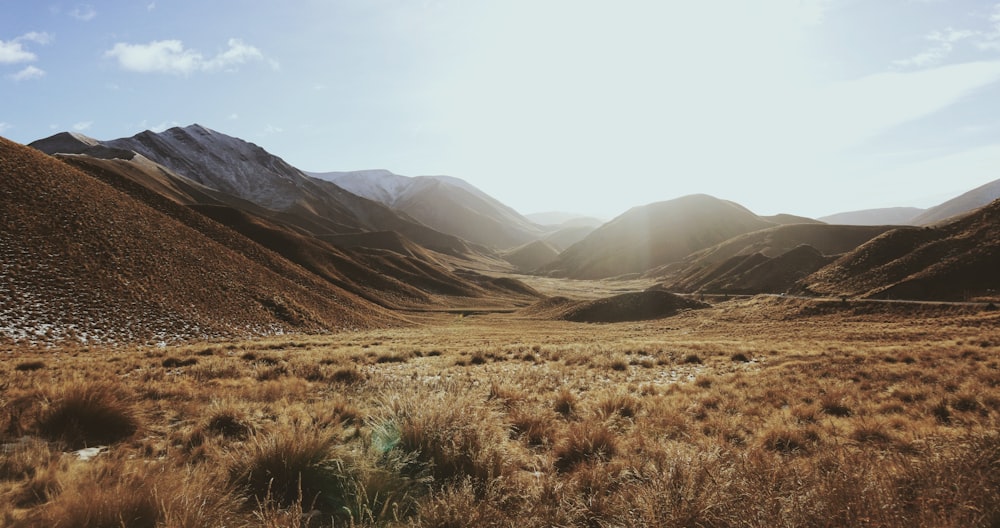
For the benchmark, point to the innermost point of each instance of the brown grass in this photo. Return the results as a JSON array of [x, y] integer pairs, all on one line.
[[838, 420]]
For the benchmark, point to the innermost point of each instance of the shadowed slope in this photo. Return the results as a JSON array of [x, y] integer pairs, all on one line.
[[950, 262], [84, 261]]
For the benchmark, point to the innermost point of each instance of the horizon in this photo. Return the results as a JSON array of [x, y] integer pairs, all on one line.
[[800, 107]]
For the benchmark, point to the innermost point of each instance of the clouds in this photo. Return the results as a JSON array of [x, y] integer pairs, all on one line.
[[172, 58], [28, 73], [14, 52], [946, 42], [83, 12]]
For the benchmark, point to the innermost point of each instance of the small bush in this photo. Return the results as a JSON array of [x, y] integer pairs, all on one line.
[[288, 467], [566, 402], [740, 357], [29, 366], [622, 404], [176, 362], [692, 359], [583, 443], [89, 414], [347, 376], [230, 423]]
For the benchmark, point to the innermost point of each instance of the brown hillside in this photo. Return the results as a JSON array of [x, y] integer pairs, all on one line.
[[84, 261], [655, 235], [772, 275], [954, 261], [636, 306], [827, 239], [531, 256]]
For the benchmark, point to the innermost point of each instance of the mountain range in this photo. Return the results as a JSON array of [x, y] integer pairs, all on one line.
[[192, 233]]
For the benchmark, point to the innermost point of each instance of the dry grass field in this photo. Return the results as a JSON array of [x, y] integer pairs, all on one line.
[[763, 412]]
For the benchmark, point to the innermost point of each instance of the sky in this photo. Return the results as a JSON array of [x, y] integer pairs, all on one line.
[[807, 107]]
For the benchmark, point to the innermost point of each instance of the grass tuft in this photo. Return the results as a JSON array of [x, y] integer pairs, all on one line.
[[84, 414]]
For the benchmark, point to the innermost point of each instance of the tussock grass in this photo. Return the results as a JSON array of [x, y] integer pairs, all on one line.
[[82, 414], [839, 420]]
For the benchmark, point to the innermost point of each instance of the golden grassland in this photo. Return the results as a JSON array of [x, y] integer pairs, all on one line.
[[767, 412]]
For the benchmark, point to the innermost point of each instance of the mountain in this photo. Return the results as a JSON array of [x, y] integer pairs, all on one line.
[[654, 235], [951, 261], [83, 261], [883, 216], [243, 170], [963, 203], [449, 205], [382, 267]]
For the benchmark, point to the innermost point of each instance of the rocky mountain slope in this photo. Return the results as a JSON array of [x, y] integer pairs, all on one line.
[[245, 171], [82, 261]]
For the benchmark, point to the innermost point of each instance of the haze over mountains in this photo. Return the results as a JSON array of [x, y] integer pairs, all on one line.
[[192, 233]]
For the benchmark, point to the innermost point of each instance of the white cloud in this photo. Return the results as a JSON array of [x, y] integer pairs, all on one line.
[[271, 129], [150, 6], [234, 116], [944, 45], [238, 53], [83, 12], [5, 127], [82, 125], [170, 57], [13, 52], [38, 37], [29, 72]]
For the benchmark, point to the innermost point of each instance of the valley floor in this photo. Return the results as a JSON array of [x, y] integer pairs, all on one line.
[[758, 412]]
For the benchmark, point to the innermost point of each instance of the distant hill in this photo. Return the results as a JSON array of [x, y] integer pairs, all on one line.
[[963, 203], [883, 216], [447, 204], [952, 261], [560, 219], [654, 235], [86, 262], [787, 219], [565, 237], [531, 256]]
